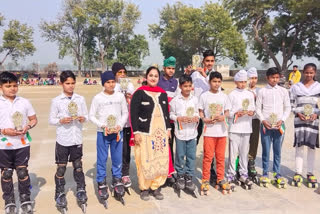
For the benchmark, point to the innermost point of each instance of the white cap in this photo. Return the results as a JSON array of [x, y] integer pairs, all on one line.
[[252, 72], [241, 76]]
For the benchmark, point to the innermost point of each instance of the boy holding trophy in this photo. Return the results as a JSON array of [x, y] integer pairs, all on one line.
[[17, 117], [109, 112], [68, 113], [241, 113], [273, 108]]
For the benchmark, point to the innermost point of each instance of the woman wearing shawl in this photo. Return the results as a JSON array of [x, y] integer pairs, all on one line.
[[151, 130]]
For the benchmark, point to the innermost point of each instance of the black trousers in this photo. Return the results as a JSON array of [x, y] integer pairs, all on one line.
[[171, 142], [126, 152]]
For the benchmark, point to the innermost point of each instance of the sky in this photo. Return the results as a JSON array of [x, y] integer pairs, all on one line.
[[33, 11]]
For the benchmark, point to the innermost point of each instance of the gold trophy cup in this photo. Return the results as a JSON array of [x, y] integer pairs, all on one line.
[[245, 105], [307, 111], [190, 112], [73, 110], [17, 119], [213, 110], [196, 61], [273, 119], [124, 82], [111, 123]]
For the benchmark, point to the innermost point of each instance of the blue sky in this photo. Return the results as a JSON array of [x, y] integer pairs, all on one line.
[[33, 11]]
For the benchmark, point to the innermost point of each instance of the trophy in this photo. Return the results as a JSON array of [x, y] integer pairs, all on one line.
[[307, 111], [190, 112], [73, 110], [214, 110], [124, 82], [196, 61], [273, 119], [111, 123], [17, 119], [245, 104]]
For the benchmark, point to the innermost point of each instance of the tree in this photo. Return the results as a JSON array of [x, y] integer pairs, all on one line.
[[17, 41], [184, 31], [112, 23], [286, 27], [1, 20], [69, 31]]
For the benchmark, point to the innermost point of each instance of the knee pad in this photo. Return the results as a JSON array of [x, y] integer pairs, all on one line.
[[61, 170], [7, 174], [77, 165], [22, 173]]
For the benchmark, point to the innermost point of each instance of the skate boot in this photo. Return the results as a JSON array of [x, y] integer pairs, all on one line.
[[232, 183], [224, 187], [252, 173], [10, 207], [297, 180], [312, 181], [279, 181], [127, 183], [264, 181], [61, 202], [26, 206], [103, 193], [205, 187], [179, 184], [117, 189], [82, 199], [170, 181], [190, 187], [157, 194], [246, 183]]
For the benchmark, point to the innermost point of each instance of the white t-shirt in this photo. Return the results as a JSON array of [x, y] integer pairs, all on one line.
[[7, 109], [208, 98], [68, 134], [242, 124], [104, 105], [178, 108]]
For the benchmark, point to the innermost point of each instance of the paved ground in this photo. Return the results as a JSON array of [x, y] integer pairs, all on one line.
[[258, 200]]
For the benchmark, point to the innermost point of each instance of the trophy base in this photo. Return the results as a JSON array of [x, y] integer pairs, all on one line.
[[108, 131], [74, 117], [307, 117], [245, 111]]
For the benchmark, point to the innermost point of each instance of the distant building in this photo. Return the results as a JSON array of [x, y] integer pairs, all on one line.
[[223, 69]]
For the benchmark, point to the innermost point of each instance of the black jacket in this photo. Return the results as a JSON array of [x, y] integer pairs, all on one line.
[[141, 109]]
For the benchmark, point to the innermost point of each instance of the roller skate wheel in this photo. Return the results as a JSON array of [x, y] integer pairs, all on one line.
[[284, 186], [201, 193], [299, 184], [278, 186], [224, 192], [112, 193], [129, 191], [316, 185], [105, 204], [217, 187], [246, 187], [293, 183], [310, 185], [84, 208], [64, 211]]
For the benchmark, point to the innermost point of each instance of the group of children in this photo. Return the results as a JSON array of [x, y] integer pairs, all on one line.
[[239, 117]]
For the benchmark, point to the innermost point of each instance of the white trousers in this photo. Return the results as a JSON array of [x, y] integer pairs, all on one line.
[[310, 159]]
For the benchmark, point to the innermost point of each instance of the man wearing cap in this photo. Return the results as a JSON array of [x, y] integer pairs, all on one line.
[[168, 83], [127, 89]]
